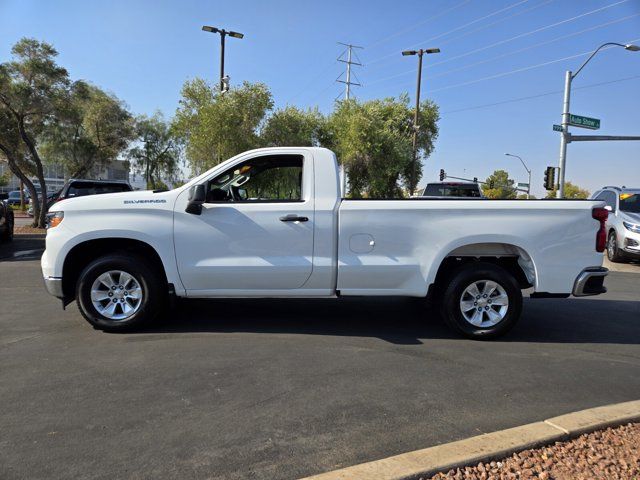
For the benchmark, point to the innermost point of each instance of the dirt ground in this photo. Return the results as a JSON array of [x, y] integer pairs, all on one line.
[[608, 454]]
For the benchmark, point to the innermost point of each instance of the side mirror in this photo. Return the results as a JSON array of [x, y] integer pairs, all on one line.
[[608, 208], [197, 197]]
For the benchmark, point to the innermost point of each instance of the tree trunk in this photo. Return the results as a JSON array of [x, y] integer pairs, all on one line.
[[39, 221], [15, 169]]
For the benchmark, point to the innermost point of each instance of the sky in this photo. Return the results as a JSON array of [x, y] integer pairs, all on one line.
[[498, 79]]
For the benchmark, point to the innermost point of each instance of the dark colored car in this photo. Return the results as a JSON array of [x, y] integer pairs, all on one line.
[[452, 189], [6, 222], [81, 188], [14, 197]]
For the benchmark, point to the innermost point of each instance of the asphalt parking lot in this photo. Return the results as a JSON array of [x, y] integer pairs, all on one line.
[[275, 389]]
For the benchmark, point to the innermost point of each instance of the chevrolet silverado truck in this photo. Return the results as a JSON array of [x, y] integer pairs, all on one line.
[[273, 223]]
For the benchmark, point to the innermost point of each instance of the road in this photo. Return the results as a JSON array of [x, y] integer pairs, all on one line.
[[274, 389]]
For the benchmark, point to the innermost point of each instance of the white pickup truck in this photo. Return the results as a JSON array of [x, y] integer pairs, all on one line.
[[272, 223]]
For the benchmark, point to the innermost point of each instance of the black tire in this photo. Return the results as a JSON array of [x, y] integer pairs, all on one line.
[[7, 234], [154, 292], [613, 252], [464, 277]]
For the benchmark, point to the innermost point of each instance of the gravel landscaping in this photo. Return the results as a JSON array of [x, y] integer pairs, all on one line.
[[609, 454]]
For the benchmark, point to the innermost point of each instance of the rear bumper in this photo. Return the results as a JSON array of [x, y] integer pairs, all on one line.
[[590, 282], [54, 286]]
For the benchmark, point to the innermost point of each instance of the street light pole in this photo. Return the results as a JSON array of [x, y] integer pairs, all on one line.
[[416, 127], [528, 172], [223, 33], [414, 160], [564, 137]]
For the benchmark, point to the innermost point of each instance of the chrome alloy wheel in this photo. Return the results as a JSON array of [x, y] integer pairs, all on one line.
[[484, 303], [116, 295], [612, 246]]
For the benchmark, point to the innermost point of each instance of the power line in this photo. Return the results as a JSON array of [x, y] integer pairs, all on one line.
[[526, 34], [539, 95], [520, 2], [312, 81], [519, 70], [504, 19], [408, 29], [481, 62]]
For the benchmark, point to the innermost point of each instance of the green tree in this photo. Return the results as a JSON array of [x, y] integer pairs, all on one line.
[[293, 127], [499, 185], [32, 89], [216, 126], [157, 153], [373, 140], [570, 191], [92, 129], [5, 177]]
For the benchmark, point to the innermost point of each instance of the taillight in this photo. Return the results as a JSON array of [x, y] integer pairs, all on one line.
[[601, 215]]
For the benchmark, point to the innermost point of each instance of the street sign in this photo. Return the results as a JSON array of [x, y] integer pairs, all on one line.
[[557, 128], [523, 185], [584, 122]]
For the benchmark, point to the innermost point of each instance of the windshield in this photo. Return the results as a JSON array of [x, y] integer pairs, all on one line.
[[630, 202], [453, 190], [80, 189]]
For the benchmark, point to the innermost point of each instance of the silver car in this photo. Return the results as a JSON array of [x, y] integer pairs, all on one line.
[[623, 224]]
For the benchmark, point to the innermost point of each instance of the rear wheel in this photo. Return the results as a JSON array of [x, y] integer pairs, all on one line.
[[613, 252], [119, 292], [482, 301]]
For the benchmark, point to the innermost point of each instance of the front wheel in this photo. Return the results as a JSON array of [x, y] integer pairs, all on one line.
[[613, 252], [482, 301], [119, 292]]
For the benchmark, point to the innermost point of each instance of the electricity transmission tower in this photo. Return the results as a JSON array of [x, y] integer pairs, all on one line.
[[350, 55]]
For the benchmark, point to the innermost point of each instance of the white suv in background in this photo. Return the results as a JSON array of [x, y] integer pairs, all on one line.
[[623, 224]]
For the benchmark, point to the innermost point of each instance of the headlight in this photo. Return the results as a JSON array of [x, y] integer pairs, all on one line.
[[53, 219], [632, 226]]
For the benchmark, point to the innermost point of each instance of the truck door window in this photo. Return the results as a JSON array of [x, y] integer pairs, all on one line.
[[275, 178]]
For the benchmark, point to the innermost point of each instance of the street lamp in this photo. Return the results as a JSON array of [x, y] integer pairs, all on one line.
[[565, 110], [528, 171], [420, 53], [223, 33]]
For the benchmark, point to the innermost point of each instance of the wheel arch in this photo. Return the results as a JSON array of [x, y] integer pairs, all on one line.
[[513, 258], [83, 253]]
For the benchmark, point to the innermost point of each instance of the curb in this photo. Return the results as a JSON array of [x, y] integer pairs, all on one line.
[[487, 447]]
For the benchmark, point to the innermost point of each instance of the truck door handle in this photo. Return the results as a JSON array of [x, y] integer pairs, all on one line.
[[292, 217]]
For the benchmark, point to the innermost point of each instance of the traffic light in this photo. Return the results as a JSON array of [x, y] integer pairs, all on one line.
[[443, 175], [491, 184], [550, 178]]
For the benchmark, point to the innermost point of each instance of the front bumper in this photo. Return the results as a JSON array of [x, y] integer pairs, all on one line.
[[590, 282], [630, 243], [54, 286]]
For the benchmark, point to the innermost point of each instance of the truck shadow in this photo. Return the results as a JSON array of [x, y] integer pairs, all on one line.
[[402, 321]]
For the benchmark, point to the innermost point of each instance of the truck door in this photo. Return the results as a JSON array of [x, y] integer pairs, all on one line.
[[255, 231]]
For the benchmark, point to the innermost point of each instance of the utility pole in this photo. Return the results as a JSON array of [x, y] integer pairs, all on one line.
[[416, 127], [223, 33], [349, 61], [565, 133], [565, 136]]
